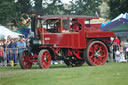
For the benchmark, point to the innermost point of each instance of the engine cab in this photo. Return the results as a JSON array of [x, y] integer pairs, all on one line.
[[66, 38]]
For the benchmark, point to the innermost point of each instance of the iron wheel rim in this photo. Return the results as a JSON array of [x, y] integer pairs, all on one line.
[[97, 53]]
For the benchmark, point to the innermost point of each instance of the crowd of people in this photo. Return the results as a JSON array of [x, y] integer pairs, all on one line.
[[119, 53], [10, 50]]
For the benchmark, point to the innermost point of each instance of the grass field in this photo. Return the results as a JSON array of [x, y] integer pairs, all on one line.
[[108, 74]]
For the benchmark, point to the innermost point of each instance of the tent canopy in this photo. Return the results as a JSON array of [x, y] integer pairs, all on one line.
[[120, 28], [120, 25], [4, 32], [125, 16]]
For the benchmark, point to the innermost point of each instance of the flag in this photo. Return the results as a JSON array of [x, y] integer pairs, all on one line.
[[97, 15]]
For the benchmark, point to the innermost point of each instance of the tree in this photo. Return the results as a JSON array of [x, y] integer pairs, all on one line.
[[117, 7], [24, 6], [48, 7], [11, 11], [38, 7], [55, 7], [7, 11], [85, 7]]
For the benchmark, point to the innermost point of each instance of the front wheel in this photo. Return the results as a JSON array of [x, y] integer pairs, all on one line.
[[24, 60], [96, 53], [44, 59]]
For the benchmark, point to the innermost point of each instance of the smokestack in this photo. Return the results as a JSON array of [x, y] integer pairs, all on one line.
[[33, 23]]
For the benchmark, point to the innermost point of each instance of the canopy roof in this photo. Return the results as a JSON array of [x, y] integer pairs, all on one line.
[[121, 28], [4, 32], [118, 17], [65, 16], [120, 25]]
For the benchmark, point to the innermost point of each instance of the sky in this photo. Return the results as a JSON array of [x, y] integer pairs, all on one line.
[[66, 1]]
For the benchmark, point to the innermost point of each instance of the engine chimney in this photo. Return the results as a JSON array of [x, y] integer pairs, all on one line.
[[33, 23]]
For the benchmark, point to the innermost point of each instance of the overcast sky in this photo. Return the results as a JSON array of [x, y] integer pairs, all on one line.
[[66, 1]]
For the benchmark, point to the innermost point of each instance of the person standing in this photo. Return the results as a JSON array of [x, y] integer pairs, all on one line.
[[116, 46], [117, 55], [12, 47], [1, 56], [5, 52], [6, 49], [122, 53], [116, 41], [110, 58], [21, 45]]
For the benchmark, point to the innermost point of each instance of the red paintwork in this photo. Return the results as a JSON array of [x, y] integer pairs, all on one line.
[[64, 40], [26, 61], [74, 40], [69, 52], [46, 59], [90, 43], [97, 53], [77, 53], [71, 44], [94, 25]]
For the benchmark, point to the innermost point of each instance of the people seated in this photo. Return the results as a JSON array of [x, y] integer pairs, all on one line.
[[58, 27], [75, 26]]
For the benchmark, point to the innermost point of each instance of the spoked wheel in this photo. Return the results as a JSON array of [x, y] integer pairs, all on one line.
[[44, 59], [70, 58], [73, 61], [24, 60], [96, 53]]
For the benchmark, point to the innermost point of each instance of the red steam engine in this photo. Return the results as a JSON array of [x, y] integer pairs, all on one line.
[[55, 39]]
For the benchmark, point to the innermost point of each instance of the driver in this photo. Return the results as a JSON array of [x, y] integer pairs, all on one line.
[[75, 25]]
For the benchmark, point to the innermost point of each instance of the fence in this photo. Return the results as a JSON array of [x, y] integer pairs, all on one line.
[[9, 56]]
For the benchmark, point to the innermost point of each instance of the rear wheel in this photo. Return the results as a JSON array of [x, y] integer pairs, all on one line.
[[24, 60], [44, 59], [72, 60], [96, 53]]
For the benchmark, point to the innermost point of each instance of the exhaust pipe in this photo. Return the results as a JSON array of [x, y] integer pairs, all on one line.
[[33, 24]]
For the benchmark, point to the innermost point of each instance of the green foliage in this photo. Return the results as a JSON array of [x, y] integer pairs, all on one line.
[[24, 6], [48, 7], [85, 7], [117, 7], [12, 11], [38, 7], [57, 5], [7, 11]]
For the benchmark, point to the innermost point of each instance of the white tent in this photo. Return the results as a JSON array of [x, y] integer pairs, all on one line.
[[120, 16], [4, 32]]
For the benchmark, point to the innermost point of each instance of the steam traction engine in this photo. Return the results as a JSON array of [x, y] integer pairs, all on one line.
[[54, 39]]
